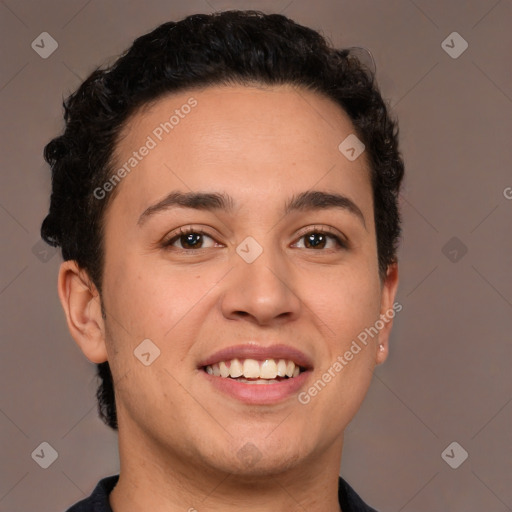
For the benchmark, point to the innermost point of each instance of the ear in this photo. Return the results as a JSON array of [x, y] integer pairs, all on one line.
[[388, 310], [82, 305]]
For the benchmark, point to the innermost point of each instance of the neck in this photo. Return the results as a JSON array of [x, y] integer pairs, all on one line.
[[152, 478]]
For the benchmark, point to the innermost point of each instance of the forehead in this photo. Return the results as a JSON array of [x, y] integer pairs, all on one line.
[[245, 140]]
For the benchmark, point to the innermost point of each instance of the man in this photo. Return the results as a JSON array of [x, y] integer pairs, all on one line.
[[225, 196]]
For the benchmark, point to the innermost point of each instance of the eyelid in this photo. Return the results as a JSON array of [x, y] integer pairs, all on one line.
[[339, 238], [323, 229], [185, 230]]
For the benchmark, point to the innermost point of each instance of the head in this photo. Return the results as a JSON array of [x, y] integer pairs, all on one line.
[[251, 110]]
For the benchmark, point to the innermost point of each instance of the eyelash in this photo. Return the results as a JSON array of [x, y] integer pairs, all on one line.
[[167, 244]]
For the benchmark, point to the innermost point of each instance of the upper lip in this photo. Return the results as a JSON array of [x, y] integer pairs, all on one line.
[[259, 352]]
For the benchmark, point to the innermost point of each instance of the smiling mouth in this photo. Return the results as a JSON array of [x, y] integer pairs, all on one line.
[[252, 371]]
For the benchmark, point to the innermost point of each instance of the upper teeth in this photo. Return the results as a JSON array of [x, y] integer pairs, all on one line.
[[253, 369]]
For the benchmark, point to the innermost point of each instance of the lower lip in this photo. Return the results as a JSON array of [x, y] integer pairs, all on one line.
[[258, 394]]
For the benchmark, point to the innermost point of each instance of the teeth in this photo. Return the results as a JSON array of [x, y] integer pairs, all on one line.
[[266, 371], [236, 369], [224, 370], [251, 369], [281, 368]]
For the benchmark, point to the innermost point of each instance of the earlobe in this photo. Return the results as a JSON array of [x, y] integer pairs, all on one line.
[[388, 311], [82, 306]]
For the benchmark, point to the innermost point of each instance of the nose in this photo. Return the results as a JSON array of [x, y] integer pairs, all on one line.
[[263, 291]]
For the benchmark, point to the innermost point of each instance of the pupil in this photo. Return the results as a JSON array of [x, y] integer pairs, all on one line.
[[190, 237], [312, 236]]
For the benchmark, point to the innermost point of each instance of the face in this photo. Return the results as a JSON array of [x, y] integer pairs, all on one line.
[[249, 272]]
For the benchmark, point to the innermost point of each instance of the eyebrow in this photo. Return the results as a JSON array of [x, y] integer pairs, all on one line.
[[214, 201]]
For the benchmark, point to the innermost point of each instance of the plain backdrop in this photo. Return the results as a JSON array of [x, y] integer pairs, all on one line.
[[447, 378]]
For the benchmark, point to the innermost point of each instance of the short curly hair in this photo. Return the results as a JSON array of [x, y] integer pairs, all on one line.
[[223, 48]]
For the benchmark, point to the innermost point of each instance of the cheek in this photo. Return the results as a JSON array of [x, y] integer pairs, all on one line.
[[149, 302], [154, 299], [348, 310], [346, 303]]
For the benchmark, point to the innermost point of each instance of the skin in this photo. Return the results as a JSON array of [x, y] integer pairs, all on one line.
[[179, 438]]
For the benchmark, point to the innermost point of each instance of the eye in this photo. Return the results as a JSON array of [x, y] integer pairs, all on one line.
[[189, 238], [318, 238]]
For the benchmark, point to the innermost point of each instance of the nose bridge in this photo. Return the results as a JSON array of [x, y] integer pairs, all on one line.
[[259, 283], [268, 266], [261, 262], [261, 246]]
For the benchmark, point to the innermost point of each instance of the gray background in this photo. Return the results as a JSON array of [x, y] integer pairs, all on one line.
[[448, 375]]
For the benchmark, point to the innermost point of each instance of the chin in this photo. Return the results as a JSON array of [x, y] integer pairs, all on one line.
[[253, 459]]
